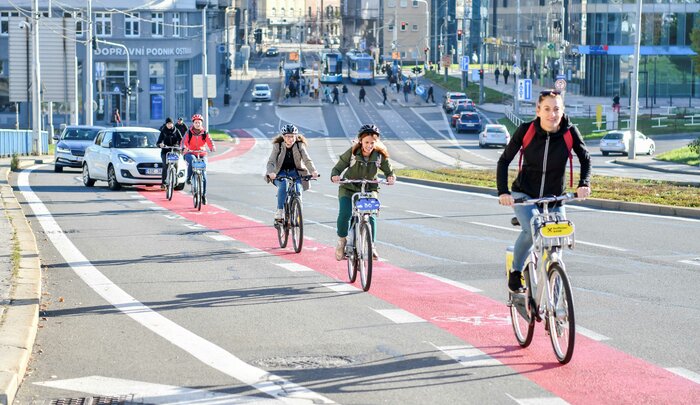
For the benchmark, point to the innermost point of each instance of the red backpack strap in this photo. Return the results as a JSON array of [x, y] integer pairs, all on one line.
[[569, 140], [526, 141]]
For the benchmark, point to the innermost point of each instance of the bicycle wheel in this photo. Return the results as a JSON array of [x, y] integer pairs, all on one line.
[[562, 324], [364, 248], [170, 184], [521, 314], [200, 191], [353, 262], [283, 228], [296, 222]]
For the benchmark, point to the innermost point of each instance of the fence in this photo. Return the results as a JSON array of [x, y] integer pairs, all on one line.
[[19, 142]]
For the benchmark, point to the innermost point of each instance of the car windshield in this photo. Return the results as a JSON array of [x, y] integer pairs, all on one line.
[[469, 118], [130, 140], [495, 130], [458, 97], [80, 134], [261, 87], [613, 136]]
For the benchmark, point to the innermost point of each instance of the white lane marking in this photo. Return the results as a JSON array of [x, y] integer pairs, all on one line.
[[399, 315], [194, 226], [329, 148], [295, 267], [252, 251], [685, 373], [341, 288], [422, 214], [144, 201], [695, 262], [136, 196], [150, 393], [590, 334], [173, 216], [469, 356], [331, 196], [580, 242], [157, 208], [219, 207], [538, 401], [207, 352], [250, 219], [221, 238], [451, 282]]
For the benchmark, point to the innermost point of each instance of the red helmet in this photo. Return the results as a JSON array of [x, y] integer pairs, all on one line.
[[197, 117]]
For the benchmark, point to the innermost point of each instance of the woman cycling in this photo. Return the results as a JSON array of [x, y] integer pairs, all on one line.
[[193, 143], [549, 140], [289, 157], [362, 161]]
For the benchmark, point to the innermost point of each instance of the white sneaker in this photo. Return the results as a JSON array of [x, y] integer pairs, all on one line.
[[279, 215]]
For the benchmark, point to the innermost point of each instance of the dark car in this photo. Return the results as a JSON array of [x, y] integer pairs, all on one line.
[[272, 52], [459, 110], [71, 144], [469, 121]]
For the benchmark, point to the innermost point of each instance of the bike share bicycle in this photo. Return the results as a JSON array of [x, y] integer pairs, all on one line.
[[199, 166], [547, 293], [172, 158], [292, 219], [360, 245]]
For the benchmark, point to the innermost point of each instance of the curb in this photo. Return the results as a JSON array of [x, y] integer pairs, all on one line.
[[610, 205], [19, 324], [659, 169]]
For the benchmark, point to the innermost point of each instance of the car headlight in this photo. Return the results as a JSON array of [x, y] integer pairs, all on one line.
[[62, 149], [126, 159]]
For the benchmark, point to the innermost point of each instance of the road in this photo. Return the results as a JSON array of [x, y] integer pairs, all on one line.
[[159, 303]]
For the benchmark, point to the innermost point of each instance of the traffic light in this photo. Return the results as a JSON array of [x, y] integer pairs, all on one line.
[[128, 91], [459, 35], [258, 36], [403, 25], [481, 74], [550, 45], [427, 50]]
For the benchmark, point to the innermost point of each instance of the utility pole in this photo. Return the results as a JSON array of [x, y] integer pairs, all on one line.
[[50, 103], [88, 67], [563, 41], [36, 83], [205, 79], [516, 102], [635, 83]]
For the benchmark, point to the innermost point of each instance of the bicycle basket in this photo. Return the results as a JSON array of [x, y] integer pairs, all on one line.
[[556, 229], [198, 164], [172, 157], [367, 204]]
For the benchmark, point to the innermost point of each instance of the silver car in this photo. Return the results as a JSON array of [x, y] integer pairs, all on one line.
[[494, 134], [620, 142], [71, 144], [262, 92]]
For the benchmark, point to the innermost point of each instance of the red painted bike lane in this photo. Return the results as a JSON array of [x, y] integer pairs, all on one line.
[[597, 373]]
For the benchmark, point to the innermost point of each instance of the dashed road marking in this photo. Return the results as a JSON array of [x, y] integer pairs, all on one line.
[[452, 282], [590, 334], [341, 288], [422, 214], [221, 238], [399, 315], [685, 373], [294, 267], [469, 356]]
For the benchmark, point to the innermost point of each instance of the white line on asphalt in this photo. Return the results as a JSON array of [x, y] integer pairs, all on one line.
[[452, 282], [295, 267], [144, 201], [207, 352], [329, 148], [331, 196], [173, 216], [469, 356], [685, 373], [341, 288], [252, 251], [538, 401], [250, 219], [219, 207], [157, 208], [194, 226], [590, 334], [423, 214], [695, 262], [505, 228], [399, 315], [221, 238]]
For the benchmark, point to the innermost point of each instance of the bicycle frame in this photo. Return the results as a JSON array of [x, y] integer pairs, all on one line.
[[293, 218]]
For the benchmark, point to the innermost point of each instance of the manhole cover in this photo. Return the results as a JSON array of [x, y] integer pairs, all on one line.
[[304, 362]]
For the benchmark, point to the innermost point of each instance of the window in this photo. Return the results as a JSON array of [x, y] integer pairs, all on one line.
[[182, 80], [414, 27], [404, 3], [156, 71], [157, 24], [103, 24], [5, 21], [131, 25], [282, 12], [176, 24], [79, 23], [309, 11], [274, 12], [415, 3], [392, 3]]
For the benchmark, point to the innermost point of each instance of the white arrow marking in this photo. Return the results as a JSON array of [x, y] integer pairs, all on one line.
[[149, 393]]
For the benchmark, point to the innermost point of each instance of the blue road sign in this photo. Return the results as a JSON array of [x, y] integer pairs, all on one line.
[[465, 63], [525, 89]]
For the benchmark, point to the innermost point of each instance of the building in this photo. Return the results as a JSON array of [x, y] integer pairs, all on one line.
[[406, 23]]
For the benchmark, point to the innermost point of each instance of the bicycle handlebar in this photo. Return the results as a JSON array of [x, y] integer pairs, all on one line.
[[304, 178], [360, 181], [543, 200]]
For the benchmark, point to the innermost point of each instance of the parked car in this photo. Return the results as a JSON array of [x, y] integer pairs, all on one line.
[[261, 92], [494, 134], [469, 121], [619, 142], [71, 144], [459, 110], [127, 156], [272, 52], [451, 99]]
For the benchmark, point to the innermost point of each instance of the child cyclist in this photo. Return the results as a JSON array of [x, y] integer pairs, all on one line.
[[193, 143], [289, 157], [363, 160]]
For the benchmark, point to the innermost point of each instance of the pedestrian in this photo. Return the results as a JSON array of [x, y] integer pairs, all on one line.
[[363, 93], [496, 73], [431, 96], [543, 170], [406, 90], [384, 95], [335, 95], [116, 118], [398, 86], [616, 104], [506, 73], [345, 89]]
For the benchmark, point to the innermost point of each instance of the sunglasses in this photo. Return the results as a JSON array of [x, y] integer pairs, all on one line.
[[552, 93]]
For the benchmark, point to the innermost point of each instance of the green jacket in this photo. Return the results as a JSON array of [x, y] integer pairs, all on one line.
[[359, 167]]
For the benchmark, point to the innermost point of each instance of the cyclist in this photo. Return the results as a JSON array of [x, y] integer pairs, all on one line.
[[543, 171], [170, 137], [362, 161], [193, 143], [181, 126], [294, 162]]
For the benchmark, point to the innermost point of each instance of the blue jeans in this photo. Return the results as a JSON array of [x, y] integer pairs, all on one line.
[[523, 245], [188, 159], [282, 186]]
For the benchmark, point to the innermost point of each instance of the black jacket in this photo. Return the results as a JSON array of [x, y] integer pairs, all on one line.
[[182, 128], [534, 180], [169, 137]]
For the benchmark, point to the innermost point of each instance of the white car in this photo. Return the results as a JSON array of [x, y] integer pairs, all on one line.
[[127, 156], [619, 142], [494, 134], [262, 92]]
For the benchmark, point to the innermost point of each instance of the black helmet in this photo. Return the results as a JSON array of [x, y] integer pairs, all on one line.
[[368, 129], [289, 129]]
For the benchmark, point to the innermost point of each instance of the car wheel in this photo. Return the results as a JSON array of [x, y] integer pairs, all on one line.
[[651, 150], [87, 181], [57, 168], [112, 179], [605, 153]]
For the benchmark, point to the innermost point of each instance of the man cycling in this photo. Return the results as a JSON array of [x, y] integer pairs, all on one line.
[[362, 161], [193, 143], [169, 137], [294, 162]]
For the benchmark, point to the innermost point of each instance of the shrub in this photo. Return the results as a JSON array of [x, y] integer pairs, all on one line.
[[695, 146], [14, 163]]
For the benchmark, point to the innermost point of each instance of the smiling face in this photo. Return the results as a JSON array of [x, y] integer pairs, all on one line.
[[368, 142], [550, 109], [197, 124]]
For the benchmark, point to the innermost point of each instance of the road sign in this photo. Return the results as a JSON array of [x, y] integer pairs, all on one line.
[[560, 84], [525, 89], [221, 48], [116, 89], [465, 63], [516, 69]]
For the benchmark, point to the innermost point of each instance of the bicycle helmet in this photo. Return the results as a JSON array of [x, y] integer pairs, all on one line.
[[368, 129], [197, 117], [289, 129]]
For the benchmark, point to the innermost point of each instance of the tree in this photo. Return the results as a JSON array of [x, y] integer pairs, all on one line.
[[695, 40]]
